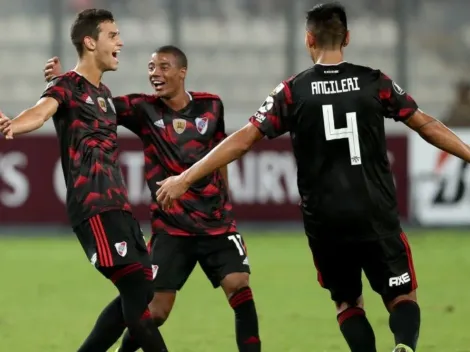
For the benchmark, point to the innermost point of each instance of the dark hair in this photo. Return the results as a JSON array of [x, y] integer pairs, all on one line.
[[87, 25], [329, 23], [176, 52]]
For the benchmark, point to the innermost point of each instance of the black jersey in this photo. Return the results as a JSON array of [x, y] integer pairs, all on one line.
[[86, 126], [334, 114], [174, 141]]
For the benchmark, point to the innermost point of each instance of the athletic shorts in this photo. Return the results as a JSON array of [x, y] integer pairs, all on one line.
[[113, 238], [174, 258], [387, 264]]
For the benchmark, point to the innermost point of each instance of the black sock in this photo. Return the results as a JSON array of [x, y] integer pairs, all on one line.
[[246, 321], [128, 343], [405, 320], [107, 330], [134, 283], [357, 330]]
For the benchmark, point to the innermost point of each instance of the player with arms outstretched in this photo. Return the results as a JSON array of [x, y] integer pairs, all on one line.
[[334, 113], [177, 129], [97, 204]]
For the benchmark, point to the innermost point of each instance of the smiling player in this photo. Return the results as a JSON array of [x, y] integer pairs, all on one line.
[[97, 204], [177, 129]]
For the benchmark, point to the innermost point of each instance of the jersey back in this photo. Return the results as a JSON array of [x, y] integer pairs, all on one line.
[[334, 114]]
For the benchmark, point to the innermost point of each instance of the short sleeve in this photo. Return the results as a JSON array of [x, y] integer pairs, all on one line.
[[272, 118], [398, 105], [220, 134], [127, 111], [60, 88]]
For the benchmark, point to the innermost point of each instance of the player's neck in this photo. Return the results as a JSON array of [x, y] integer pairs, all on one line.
[[329, 57], [178, 102], [88, 70]]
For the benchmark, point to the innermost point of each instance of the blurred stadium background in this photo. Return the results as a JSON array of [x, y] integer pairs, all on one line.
[[239, 49]]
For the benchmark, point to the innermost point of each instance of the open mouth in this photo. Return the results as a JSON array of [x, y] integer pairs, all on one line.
[[115, 55], [157, 84]]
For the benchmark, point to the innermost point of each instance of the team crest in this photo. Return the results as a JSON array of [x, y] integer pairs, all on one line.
[[121, 248], [179, 125], [201, 124], [110, 101], [102, 104], [154, 271]]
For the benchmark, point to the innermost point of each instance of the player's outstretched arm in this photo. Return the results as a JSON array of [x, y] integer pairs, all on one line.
[[437, 134], [232, 148], [271, 120], [34, 117]]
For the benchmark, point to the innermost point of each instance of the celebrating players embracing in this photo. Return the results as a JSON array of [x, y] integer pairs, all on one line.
[[177, 129], [334, 113], [97, 203]]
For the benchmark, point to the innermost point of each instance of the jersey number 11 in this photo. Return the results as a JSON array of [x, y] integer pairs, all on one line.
[[349, 132]]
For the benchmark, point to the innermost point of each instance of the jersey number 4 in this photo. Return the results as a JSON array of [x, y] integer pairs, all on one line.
[[349, 132]]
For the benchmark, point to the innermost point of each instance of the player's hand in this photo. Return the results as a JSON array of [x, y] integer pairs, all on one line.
[[52, 68], [5, 126], [170, 189]]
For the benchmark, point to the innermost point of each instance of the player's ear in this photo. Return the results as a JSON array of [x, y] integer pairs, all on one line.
[[183, 71], [309, 40], [89, 43], [346, 39]]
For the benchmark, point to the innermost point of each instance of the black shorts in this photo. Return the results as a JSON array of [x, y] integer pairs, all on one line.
[[174, 258], [111, 239], [387, 264]]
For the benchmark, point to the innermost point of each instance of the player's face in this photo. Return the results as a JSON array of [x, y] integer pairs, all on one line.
[[166, 75], [108, 46]]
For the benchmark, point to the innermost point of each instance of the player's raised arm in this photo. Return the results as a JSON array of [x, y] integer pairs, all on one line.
[[401, 107], [57, 92], [271, 120], [437, 134], [33, 118], [127, 111]]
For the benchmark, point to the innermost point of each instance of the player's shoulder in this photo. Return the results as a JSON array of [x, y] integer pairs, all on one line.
[[142, 97], [362, 70], [138, 98], [205, 96], [66, 78]]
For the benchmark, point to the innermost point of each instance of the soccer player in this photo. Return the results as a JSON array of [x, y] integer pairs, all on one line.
[[334, 113], [177, 129], [97, 204]]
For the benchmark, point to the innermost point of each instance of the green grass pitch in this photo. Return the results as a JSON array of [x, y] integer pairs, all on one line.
[[50, 296]]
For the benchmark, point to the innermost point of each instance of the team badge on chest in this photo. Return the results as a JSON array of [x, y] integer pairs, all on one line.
[[102, 104], [201, 124], [179, 125]]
